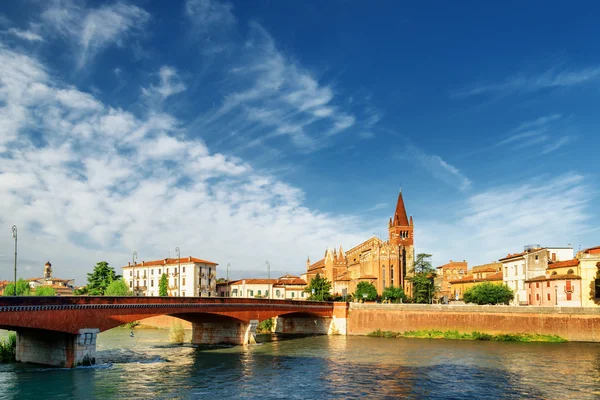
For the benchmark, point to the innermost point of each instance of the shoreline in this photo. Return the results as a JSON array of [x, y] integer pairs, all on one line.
[[455, 335]]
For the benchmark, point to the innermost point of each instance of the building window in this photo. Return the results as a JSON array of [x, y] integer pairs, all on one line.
[[537, 285], [251, 293], [151, 272], [570, 272], [548, 284], [183, 270], [302, 294], [392, 275], [537, 297], [569, 290], [130, 273], [383, 275], [292, 295], [131, 284], [266, 293], [523, 266], [183, 294], [234, 292], [152, 283], [183, 281], [159, 271], [144, 283], [277, 293], [259, 292], [548, 296], [530, 299]]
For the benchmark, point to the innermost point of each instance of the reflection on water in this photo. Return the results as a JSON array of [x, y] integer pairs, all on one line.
[[146, 366]]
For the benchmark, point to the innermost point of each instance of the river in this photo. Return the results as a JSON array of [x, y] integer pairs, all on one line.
[[147, 366]]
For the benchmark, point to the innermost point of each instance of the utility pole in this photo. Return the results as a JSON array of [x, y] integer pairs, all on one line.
[[227, 294], [269, 280], [14, 234], [134, 259], [178, 271]]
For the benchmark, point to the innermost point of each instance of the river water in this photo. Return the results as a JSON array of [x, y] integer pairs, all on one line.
[[147, 367]]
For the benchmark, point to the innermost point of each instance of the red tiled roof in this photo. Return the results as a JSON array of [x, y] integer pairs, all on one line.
[[560, 264], [260, 281], [485, 269], [171, 261], [400, 218], [498, 276], [553, 277], [522, 254], [318, 264], [592, 250]]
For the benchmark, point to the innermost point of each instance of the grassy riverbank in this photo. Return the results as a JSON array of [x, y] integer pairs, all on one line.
[[455, 335]]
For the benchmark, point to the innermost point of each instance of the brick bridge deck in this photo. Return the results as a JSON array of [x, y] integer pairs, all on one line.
[[62, 330]]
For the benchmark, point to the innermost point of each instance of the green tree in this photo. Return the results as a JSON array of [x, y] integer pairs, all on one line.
[[99, 280], [45, 291], [319, 289], [22, 288], [423, 279], [163, 285], [117, 288], [82, 291], [394, 294], [365, 288], [488, 293]]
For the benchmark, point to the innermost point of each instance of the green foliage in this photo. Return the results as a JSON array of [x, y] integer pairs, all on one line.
[[45, 291], [393, 294], [488, 293], [163, 285], [176, 333], [117, 288], [265, 326], [455, 335], [82, 291], [99, 280], [132, 324], [22, 288], [8, 348], [422, 281], [365, 288], [321, 287]]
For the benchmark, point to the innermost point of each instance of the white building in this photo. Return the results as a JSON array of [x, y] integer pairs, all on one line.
[[288, 287], [531, 263], [198, 278]]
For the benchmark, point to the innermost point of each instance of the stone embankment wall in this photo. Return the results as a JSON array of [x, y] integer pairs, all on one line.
[[571, 323]]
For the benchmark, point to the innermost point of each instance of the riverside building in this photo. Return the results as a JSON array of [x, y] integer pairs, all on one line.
[[186, 276]]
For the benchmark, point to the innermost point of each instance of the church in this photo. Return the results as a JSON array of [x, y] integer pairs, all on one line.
[[382, 263]]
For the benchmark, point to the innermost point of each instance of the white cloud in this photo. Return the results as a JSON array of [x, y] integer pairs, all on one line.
[[169, 85], [208, 15], [276, 97], [87, 182], [26, 35], [94, 29], [557, 144], [439, 168], [552, 78], [501, 220], [537, 132]]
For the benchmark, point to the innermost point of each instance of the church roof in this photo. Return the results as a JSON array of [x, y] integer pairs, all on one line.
[[317, 265], [400, 217]]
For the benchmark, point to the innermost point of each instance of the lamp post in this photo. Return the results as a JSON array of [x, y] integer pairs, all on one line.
[[178, 271], [134, 259], [14, 235], [227, 293], [555, 295], [269, 278]]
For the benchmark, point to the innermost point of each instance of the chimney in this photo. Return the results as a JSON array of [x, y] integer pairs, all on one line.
[[553, 257], [129, 263], [165, 261], [189, 258], [142, 262]]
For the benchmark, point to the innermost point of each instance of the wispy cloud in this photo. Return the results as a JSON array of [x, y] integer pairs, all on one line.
[[550, 211], [208, 15], [537, 132], [439, 168], [275, 97], [128, 175], [551, 78], [170, 84], [26, 35], [94, 29]]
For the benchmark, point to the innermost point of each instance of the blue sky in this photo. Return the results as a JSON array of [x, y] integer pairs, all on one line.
[[254, 130]]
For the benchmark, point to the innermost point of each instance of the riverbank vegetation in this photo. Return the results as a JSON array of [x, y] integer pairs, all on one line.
[[265, 326], [177, 333], [8, 348], [455, 335]]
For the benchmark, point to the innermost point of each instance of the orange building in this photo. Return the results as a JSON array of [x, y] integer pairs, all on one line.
[[449, 272], [491, 272], [383, 263]]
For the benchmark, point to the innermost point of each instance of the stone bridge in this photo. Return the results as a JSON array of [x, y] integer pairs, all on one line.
[[61, 331]]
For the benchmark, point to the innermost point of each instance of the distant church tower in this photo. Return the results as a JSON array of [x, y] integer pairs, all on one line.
[[401, 236]]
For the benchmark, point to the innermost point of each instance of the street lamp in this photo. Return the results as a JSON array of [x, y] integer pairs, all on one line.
[[134, 259], [14, 235], [228, 266], [269, 278], [178, 271]]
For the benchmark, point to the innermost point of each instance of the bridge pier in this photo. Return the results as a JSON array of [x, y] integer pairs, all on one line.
[[224, 332], [57, 349]]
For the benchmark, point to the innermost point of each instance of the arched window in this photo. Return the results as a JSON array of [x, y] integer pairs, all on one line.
[[391, 275], [383, 276], [570, 272]]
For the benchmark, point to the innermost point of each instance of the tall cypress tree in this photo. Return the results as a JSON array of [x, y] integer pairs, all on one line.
[[99, 280]]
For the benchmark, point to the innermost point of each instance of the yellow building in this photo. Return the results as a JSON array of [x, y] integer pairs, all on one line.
[[589, 266], [491, 272]]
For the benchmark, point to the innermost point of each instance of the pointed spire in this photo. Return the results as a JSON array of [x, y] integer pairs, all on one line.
[[410, 221], [341, 253], [390, 222], [400, 214]]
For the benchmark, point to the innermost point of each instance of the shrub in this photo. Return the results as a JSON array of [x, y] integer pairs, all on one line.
[[394, 294], [265, 326], [488, 293], [8, 348], [365, 288], [117, 288], [45, 291]]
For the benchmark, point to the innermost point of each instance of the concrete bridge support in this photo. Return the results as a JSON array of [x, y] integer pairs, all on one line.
[[224, 332], [57, 349]]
